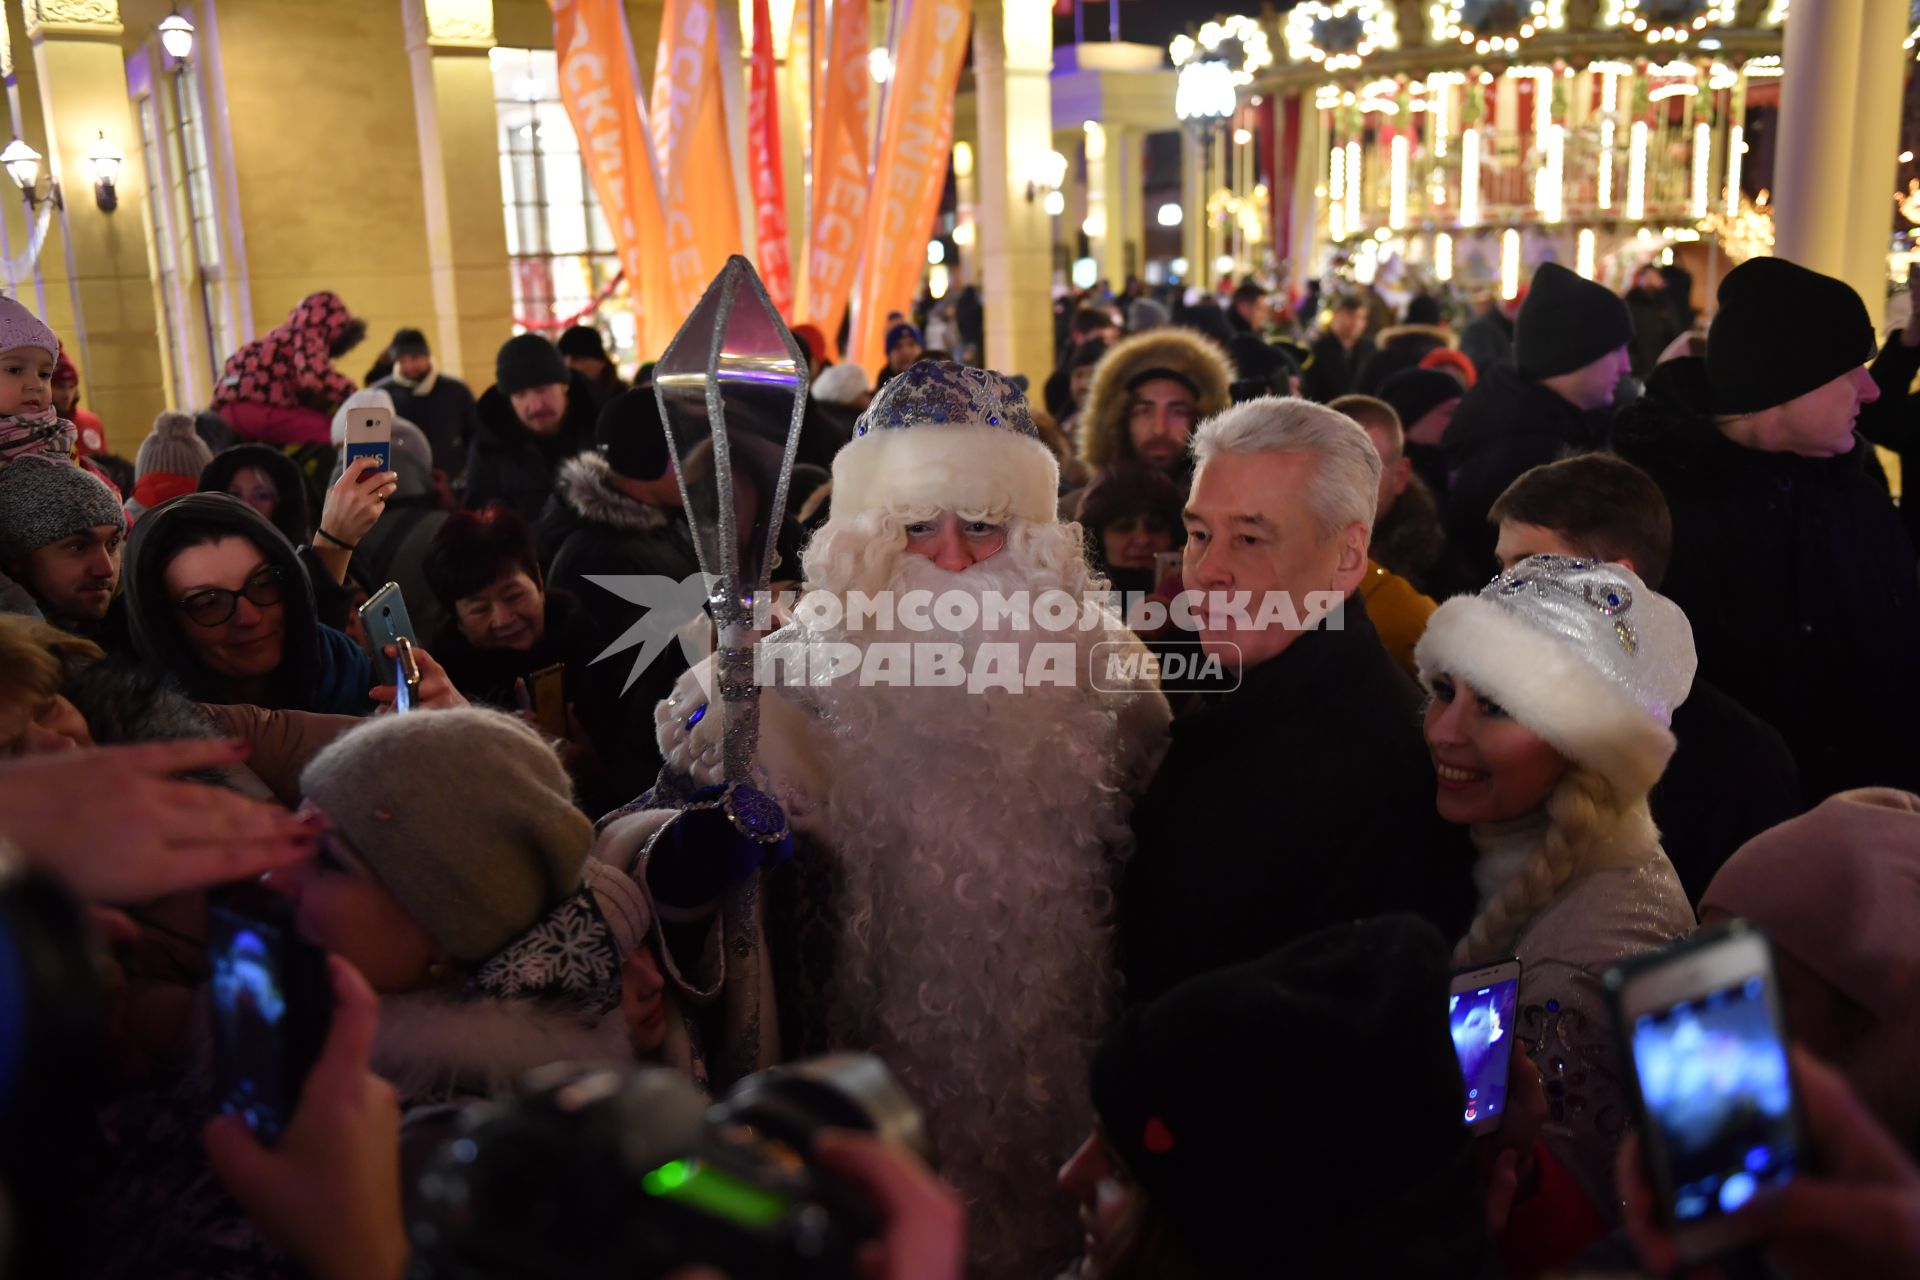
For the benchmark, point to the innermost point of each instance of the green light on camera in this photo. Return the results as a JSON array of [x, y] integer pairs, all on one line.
[[705, 1188]]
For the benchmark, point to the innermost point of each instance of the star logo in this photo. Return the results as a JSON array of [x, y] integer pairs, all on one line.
[[669, 607]]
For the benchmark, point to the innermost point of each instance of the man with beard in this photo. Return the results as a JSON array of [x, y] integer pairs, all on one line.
[[536, 415], [948, 906]]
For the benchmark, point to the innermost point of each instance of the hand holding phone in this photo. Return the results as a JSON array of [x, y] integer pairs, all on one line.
[[384, 617], [1707, 1054], [370, 435], [1481, 1009], [271, 1006]]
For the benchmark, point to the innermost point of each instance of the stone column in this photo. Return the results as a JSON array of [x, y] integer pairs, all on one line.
[[447, 43], [1193, 202], [1309, 175], [1819, 99], [1107, 191], [98, 288], [1879, 80], [1012, 57]]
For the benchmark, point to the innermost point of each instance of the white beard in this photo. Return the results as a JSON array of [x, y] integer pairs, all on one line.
[[975, 833]]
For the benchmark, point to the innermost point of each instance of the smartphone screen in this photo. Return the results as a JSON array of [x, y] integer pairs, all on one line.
[[1482, 1023], [1718, 1096], [402, 691], [251, 1017]]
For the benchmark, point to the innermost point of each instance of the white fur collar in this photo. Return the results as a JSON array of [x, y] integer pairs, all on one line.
[[433, 1045], [586, 485]]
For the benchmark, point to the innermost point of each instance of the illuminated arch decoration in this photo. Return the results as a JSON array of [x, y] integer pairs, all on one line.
[[1340, 34], [1495, 26], [1670, 21], [1240, 42]]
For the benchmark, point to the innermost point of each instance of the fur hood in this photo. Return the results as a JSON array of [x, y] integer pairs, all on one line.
[[435, 1046], [585, 484], [1439, 333], [1103, 422]]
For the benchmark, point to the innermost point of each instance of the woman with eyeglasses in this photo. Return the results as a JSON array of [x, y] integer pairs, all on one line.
[[217, 597]]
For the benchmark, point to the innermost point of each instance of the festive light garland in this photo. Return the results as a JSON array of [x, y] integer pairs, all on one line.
[[1627, 13], [1450, 23], [1254, 51], [1306, 31]]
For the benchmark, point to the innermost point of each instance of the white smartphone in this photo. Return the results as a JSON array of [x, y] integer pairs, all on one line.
[[1480, 1012], [370, 435], [1702, 1026]]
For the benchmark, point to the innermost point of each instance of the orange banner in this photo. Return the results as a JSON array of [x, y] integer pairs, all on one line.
[[910, 173], [768, 176], [839, 198], [600, 87], [799, 105], [702, 211]]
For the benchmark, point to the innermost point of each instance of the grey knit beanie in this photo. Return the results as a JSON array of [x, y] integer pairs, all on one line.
[[466, 815], [175, 448], [44, 499]]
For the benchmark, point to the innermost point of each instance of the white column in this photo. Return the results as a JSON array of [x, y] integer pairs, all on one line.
[[1818, 103], [1012, 58], [1880, 73]]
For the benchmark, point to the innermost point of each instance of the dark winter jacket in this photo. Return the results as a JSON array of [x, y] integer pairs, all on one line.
[[1302, 799], [1401, 347], [1504, 426], [1333, 371], [1654, 329], [1799, 582], [488, 675], [508, 463], [1411, 541], [320, 669], [444, 409], [1488, 341], [590, 527], [1731, 777], [1893, 422]]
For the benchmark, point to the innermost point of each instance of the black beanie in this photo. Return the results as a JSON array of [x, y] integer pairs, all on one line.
[[1567, 323], [409, 342], [1415, 393], [1782, 331], [629, 435], [1424, 309], [1288, 1098], [528, 360], [583, 342]]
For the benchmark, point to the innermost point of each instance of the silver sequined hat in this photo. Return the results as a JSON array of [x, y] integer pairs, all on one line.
[[945, 437], [1581, 652]]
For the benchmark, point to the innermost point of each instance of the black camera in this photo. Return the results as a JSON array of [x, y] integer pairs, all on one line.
[[617, 1172]]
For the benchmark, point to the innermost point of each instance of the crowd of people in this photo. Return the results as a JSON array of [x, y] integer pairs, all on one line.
[[1400, 641]]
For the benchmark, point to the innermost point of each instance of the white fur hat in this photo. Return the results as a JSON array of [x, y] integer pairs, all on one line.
[[944, 437], [1581, 652]]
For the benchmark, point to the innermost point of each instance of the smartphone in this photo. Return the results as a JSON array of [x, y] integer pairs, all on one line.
[[271, 1006], [1706, 1050], [1167, 564], [1480, 1013], [370, 435], [384, 618], [548, 688]]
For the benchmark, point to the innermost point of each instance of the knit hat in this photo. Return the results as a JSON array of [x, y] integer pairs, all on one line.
[[1838, 888], [466, 816], [409, 342], [630, 436], [1087, 354], [43, 500], [175, 448], [1284, 1099], [1415, 393], [1567, 323], [900, 333], [19, 327], [583, 342], [841, 384], [1424, 309], [1254, 358], [528, 360], [1581, 652], [1456, 363], [1782, 331], [944, 437], [1145, 313]]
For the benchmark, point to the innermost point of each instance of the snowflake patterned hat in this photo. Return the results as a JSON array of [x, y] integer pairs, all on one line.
[[944, 437], [1581, 652], [466, 816]]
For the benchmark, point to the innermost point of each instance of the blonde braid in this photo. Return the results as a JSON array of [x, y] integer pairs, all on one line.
[[1582, 811]]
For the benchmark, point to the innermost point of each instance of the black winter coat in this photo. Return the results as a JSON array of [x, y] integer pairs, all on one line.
[[1893, 422], [447, 415], [1731, 777], [1333, 371], [1302, 799], [1488, 342], [1799, 582], [509, 464], [1504, 426]]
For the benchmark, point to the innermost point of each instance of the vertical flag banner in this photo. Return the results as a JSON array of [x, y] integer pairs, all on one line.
[[701, 208], [601, 92], [763, 164], [840, 147], [910, 171], [801, 55]]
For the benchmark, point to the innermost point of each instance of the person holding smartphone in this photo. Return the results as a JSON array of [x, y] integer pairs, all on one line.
[[1550, 693]]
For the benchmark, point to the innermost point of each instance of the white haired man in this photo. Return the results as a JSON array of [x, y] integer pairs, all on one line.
[[1304, 796], [959, 787]]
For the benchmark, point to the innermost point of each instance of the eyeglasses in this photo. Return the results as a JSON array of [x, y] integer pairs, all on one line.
[[213, 606]]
